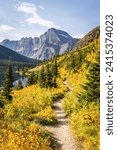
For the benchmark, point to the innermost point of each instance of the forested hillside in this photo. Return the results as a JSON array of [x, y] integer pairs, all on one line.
[[72, 78], [7, 54]]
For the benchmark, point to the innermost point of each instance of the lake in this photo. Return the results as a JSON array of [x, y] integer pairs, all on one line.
[[16, 76]]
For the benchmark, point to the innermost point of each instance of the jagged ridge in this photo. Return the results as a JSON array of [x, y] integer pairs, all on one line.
[[46, 46]]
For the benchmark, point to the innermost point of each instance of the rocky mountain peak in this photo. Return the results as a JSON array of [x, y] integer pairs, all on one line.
[[46, 46]]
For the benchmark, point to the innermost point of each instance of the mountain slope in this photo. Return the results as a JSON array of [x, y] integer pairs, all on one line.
[[89, 37], [46, 46], [6, 54]]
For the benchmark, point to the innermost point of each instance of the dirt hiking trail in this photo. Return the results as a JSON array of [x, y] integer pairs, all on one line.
[[61, 131]]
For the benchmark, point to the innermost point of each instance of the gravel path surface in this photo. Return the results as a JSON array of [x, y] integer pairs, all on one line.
[[61, 131]]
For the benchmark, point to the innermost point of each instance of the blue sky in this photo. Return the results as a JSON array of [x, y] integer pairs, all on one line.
[[30, 18]]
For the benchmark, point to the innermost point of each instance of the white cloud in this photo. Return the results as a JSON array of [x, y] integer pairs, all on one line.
[[28, 8], [32, 16], [40, 21], [5, 28]]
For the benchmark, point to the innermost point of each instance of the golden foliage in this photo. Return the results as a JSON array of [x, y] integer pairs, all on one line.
[[20, 129], [85, 127], [30, 138]]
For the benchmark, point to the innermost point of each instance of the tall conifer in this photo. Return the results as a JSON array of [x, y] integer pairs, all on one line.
[[42, 77], [48, 73], [92, 86], [7, 85], [31, 79], [54, 70]]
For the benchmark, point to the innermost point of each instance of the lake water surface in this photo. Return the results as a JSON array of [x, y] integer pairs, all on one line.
[[16, 76]]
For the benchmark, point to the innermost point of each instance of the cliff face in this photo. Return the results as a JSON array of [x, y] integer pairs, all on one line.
[[46, 46]]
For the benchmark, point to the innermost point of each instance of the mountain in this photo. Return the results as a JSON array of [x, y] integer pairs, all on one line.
[[6, 54], [46, 46], [89, 37]]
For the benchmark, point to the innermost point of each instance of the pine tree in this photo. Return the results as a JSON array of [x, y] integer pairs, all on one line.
[[48, 75], [54, 83], [42, 77], [92, 87], [31, 79], [35, 78], [54, 70], [73, 62], [7, 85]]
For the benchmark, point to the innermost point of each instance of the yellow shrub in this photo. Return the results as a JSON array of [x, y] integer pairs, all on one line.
[[31, 138], [27, 101], [85, 127], [46, 116], [70, 103], [18, 130]]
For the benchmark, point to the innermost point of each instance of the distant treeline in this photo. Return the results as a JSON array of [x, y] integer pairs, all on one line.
[[14, 63]]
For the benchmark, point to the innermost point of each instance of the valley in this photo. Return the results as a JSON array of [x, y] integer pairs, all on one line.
[[59, 109]]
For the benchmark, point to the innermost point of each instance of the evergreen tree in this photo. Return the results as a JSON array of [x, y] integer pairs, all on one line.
[[92, 87], [42, 77], [48, 75], [54, 83], [7, 85], [35, 78], [54, 71], [73, 63], [55, 68], [31, 79]]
